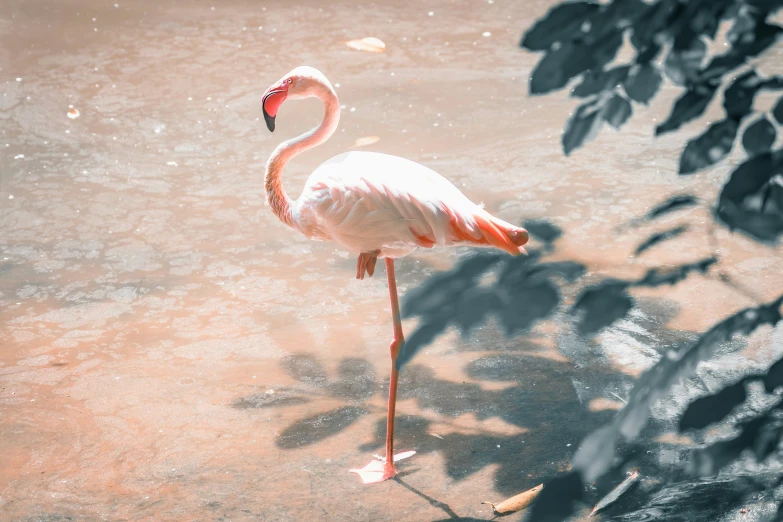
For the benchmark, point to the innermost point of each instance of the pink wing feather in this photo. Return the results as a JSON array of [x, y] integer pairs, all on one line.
[[376, 202]]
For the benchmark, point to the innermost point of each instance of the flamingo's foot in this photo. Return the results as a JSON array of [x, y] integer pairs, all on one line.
[[376, 471], [380, 470]]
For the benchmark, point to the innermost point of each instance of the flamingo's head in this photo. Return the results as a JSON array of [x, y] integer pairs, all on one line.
[[302, 82]]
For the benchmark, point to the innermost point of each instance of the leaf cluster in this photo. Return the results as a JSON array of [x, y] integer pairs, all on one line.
[[580, 40]]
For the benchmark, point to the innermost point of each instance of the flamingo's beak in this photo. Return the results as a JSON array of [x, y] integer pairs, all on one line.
[[273, 98]]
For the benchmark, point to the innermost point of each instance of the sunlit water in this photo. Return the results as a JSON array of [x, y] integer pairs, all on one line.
[[169, 351]]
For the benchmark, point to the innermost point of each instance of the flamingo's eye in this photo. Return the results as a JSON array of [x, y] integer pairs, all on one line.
[[289, 80]]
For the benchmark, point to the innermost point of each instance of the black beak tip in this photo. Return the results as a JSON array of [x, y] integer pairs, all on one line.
[[270, 121]]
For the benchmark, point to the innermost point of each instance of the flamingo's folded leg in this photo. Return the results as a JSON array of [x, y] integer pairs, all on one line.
[[366, 263]]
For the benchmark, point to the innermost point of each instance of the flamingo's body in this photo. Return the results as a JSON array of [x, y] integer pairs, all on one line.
[[375, 205], [372, 202]]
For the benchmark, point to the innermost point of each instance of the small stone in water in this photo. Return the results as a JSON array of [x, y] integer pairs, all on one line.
[[367, 140], [73, 113], [369, 44]]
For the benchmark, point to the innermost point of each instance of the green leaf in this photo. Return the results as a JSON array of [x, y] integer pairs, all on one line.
[[688, 107], [682, 65], [759, 136], [759, 39], [766, 6], [738, 97], [777, 111], [752, 201], [709, 148], [656, 20], [582, 127], [596, 81], [560, 23], [617, 111], [744, 23], [748, 43], [571, 59], [643, 82]]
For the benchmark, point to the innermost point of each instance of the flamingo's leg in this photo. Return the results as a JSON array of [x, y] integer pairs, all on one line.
[[378, 471]]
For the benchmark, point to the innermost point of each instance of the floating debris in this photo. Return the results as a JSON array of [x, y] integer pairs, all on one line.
[[613, 495], [19, 156], [73, 113], [517, 502], [367, 140], [369, 44]]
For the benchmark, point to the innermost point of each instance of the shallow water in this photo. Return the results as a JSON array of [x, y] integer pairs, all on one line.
[[169, 351]]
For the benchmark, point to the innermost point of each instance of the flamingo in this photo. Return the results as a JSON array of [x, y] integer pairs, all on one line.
[[376, 206]]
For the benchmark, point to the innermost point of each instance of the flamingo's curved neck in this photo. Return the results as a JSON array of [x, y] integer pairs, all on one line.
[[275, 194]]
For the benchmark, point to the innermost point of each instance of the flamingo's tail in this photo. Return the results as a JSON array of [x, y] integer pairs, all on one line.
[[502, 235], [487, 231]]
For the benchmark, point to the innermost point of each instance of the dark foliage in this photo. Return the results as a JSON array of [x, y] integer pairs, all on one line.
[[526, 290], [761, 435], [643, 83], [555, 502], [713, 408], [774, 377], [710, 147], [318, 427], [683, 62], [463, 298], [580, 39], [559, 24], [602, 305], [673, 275], [671, 205], [688, 107], [759, 136], [599, 81], [777, 111], [597, 452], [703, 500], [617, 111], [660, 237], [752, 199], [543, 230], [583, 125]]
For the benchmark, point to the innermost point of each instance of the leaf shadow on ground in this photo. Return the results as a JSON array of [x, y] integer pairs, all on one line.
[[548, 391]]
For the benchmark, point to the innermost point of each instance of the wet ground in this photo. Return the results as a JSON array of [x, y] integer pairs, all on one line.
[[169, 351]]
